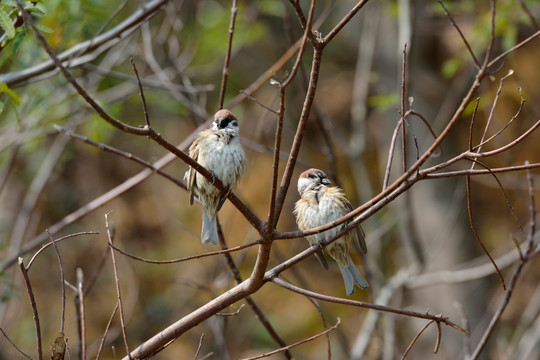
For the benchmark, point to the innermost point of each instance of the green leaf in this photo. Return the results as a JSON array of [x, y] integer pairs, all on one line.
[[2, 106], [17, 40], [37, 8], [9, 3], [44, 29], [12, 94], [7, 24]]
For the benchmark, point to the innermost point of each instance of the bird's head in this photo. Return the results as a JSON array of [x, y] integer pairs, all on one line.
[[312, 179], [224, 119]]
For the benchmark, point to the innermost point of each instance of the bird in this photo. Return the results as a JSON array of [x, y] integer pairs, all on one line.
[[218, 150], [321, 204]]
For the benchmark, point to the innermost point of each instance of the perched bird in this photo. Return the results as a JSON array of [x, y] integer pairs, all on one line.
[[218, 149], [319, 205]]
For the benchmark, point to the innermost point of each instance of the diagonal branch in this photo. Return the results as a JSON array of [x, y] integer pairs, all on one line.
[[426, 315], [99, 43], [234, 11]]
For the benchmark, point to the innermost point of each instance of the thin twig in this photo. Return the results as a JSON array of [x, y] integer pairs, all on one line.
[[489, 50], [252, 98], [272, 220], [343, 22], [514, 48], [391, 155], [466, 326], [15, 346], [297, 343], [24, 271], [144, 131], [199, 347], [402, 119], [473, 228], [460, 34], [529, 15], [117, 282], [109, 323], [57, 240], [426, 315], [416, 338], [295, 149], [516, 274], [492, 111], [520, 108], [121, 153], [141, 93], [62, 282], [100, 44], [507, 199], [82, 312], [507, 146], [146, 173], [99, 267], [234, 11], [233, 313], [249, 300], [186, 258]]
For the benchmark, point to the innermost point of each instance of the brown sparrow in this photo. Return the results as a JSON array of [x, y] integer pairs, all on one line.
[[218, 149], [320, 205]]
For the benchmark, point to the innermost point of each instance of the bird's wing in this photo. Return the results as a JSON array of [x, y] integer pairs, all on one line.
[[191, 184], [320, 256], [360, 236]]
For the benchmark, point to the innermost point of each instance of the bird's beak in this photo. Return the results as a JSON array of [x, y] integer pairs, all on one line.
[[326, 181]]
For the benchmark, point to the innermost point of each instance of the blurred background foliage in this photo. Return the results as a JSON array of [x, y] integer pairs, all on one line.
[[179, 53]]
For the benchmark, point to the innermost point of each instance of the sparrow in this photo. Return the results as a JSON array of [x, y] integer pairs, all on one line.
[[320, 204], [217, 149]]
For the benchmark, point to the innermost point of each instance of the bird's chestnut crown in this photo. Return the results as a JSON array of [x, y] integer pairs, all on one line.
[[313, 178], [225, 119]]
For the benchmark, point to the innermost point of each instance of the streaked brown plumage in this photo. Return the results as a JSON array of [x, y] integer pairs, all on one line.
[[319, 205], [218, 149]]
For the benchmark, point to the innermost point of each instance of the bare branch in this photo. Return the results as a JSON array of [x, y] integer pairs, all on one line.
[[297, 343], [416, 338], [199, 347], [144, 174], [109, 323], [478, 66], [529, 15], [234, 11], [514, 48], [81, 312], [74, 56], [117, 282], [15, 345], [56, 241], [141, 93], [343, 22], [436, 318], [62, 284], [516, 274], [187, 258], [272, 220], [473, 228], [32, 299]]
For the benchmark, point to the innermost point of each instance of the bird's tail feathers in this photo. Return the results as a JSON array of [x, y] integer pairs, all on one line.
[[351, 276], [209, 229]]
